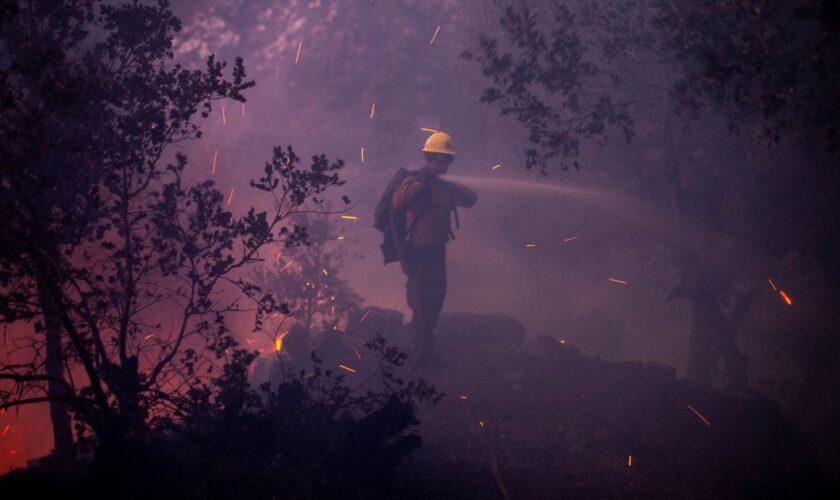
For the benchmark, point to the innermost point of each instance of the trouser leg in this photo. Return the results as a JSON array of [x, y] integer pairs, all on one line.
[[426, 290]]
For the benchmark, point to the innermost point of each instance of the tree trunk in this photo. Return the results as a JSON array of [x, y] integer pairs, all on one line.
[[54, 367]]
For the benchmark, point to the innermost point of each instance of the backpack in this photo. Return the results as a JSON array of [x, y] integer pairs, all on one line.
[[386, 220]]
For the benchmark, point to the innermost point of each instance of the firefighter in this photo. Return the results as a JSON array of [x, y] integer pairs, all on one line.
[[427, 201]]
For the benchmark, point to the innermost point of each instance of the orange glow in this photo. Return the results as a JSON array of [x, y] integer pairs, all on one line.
[[773, 285], [434, 36], [347, 368], [785, 296], [629, 460], [230, 196], [297, 57], [215, 156], [372, 110], [278, 343], [701, 417], [5, 430], [571, 239], [620, 282], [349, 217]]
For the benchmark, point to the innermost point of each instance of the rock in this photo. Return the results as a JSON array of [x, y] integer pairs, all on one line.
[[372, 321], [480, 331]]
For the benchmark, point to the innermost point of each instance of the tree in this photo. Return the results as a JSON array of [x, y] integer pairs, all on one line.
[[101, 235], [571, 73]]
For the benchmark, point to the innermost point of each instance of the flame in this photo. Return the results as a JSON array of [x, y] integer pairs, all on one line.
[[620, 282], [434, 36], [278, 343], [785, 296], [701, 417], [347, 368], [297, 57]]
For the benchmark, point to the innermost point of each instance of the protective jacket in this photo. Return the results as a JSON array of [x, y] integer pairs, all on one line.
[[427, 201]]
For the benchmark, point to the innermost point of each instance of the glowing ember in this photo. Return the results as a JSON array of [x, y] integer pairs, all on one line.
[[629, 460], [372, 110], [620, 282], [224, 115], [5, 430], [347, 368], [494, 167], [481, 423], [340, 238], [357, 354], [530, 245], [147, 337], [562, 341], [772, 285], [215, 156], [349, 217], [701, 417], [572, 238], [463, 397], [230, 196], [428, 130], [365, 316], [434, 36], [363, 154], [297, 57], [325, 272], [785, 297], [286, 267]]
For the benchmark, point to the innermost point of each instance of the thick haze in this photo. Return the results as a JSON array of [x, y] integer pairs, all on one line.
[[587, 225]]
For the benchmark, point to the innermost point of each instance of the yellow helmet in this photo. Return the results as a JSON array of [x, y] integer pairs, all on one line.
[[439, 142]]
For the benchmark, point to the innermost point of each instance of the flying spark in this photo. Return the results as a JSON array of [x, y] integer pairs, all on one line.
[[230, 196], [481, 423], [629, 460], [363, 154], [325, 272], [772, 285], [365, 316], [701, 417], [5, 430], [372, 110], [435, 35], [349, 217], [224, 115], [562, 341], [278, 343], [297, 57], [147, 337], [494, 167], [428, 130], [530, 245], [785, 296], [215, 157], [285, 267], [463, 397], [357, 354], [341, 237], [573, 238], [243, 109], [347, 368], [620, 282]]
